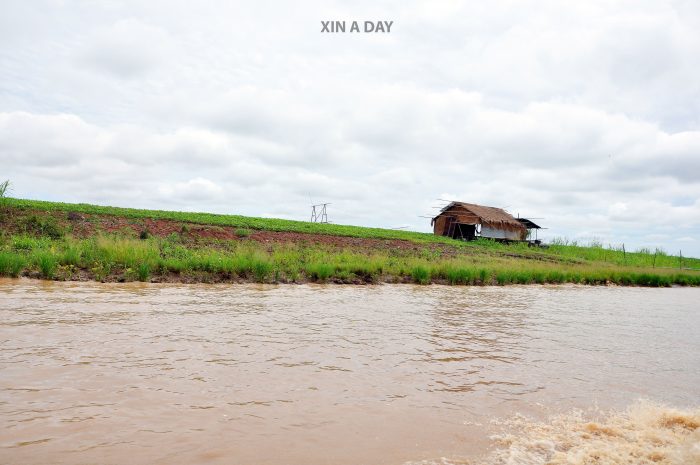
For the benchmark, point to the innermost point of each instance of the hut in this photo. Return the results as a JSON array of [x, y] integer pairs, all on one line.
[[531, 226], [468, 221]]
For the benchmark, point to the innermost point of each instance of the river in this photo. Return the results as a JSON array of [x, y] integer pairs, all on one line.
[[312, 374]]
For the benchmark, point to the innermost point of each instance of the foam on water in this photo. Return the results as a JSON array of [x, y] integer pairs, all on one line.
[[645, 433]]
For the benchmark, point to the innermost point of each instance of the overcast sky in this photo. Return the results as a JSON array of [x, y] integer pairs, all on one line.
[[585, 114]]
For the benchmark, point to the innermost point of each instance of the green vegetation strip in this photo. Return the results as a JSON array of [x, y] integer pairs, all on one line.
[[237, 221], [112, 258], [36, 239]]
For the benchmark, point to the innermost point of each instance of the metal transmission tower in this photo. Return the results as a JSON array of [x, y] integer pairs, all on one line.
[[318, 213]]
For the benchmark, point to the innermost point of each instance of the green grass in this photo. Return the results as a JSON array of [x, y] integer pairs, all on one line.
[[143, 271], [616, 256], [129, 259], [420, 274], [244, 226], [47, 263], [237, 221], [37, 240], [319, 271], [11, 264]]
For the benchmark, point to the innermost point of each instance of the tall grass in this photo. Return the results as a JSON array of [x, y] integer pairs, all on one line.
[[38, 251], [11, 264], [319, 271], [113, 258], [47, 263], [567, 252], [420, 274], [617, 256]]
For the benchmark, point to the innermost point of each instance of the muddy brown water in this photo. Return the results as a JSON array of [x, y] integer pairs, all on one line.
[[254, 374]]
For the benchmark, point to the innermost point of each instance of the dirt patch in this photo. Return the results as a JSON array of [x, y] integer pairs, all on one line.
[[343, 242], [87, 225], [82, 225]]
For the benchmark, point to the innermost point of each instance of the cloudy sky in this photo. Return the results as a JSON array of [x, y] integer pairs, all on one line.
[[584, 114]]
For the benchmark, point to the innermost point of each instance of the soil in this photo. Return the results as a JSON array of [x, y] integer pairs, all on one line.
[[83, 225]]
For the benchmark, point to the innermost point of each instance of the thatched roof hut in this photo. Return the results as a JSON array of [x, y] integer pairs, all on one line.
[[462, 220]]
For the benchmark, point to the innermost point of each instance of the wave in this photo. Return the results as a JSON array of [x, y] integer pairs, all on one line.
[[646, 433]]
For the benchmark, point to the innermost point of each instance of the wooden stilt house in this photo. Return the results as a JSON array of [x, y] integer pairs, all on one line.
[[468, 221]]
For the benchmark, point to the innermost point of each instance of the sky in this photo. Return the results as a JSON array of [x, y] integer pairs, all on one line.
[[583, 115]]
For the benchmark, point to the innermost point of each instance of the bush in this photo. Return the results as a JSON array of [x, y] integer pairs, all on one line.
[[11, 264], [260, 269], [43, 226], [681, 279], [242, 232], [556, 277], [4, 190], [319, 271], [101, 271], [71, 256], [483, 276], [420, 274], [460, 276], [47, 264], [143, 272], [26, 243]]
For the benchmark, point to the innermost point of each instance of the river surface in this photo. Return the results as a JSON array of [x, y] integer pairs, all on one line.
[[311, 374]]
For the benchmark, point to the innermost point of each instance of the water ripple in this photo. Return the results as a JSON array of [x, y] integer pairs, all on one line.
[[169, 368]]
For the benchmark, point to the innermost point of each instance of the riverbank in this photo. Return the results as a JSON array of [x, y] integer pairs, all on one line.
[[59, 241]]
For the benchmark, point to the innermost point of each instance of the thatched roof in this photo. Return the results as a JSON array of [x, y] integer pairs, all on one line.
[[488, 215]]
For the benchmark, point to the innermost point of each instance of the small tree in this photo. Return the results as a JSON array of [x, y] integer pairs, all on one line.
[[4, 190]]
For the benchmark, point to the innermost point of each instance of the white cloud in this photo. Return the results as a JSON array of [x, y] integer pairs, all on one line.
[[126, 49], [195, 189], [584, 114]]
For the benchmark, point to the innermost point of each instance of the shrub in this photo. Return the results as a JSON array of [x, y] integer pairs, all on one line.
[[26, 243], [460, 276], [4, 190], [260, 269], [242, 232], [53, 230], [43, 226], [173, 238], [292, 275], [556, 277], [46, 263], [11, 264], [319, 271], [143, 272], [71, 256], [420, 274], [101, 271]]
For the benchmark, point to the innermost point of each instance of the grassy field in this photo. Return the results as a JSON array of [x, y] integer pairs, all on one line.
[[268, 224], [48, 240]]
